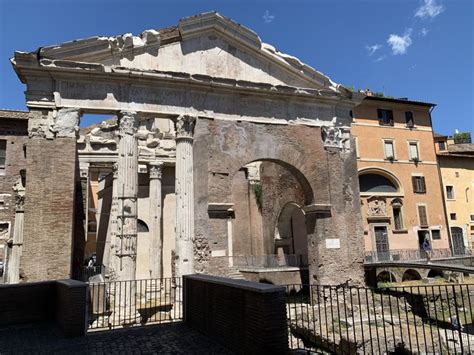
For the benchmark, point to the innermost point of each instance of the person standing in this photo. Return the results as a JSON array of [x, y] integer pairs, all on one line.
[[427, 249]]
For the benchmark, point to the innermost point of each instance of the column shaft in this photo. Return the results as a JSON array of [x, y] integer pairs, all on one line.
[[184, 196], [155, 211]]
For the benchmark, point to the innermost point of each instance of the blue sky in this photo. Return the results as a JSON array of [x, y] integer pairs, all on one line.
[[421, 49]]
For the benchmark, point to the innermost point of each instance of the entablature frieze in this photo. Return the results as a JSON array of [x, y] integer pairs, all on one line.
[[151, 92]]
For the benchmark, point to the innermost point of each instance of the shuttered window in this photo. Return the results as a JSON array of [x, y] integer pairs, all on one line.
[[419, 185], [414, 151], [422, 216], [385, 117], [388, 150], [3, 153]]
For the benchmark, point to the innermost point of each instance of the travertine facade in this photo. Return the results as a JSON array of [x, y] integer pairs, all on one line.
[[234, 102]]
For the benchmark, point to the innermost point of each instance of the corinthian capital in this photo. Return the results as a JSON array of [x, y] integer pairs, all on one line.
[[185, 126], [156, 170], [128, 122]]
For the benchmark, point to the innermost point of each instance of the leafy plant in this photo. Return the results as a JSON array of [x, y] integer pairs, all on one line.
[[257, 190]]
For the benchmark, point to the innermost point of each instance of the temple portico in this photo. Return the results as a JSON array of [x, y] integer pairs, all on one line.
[[198, 107]]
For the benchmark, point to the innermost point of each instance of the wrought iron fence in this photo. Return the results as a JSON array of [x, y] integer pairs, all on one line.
[[270, 261], [413, 255], [115, 304], [430, 319]]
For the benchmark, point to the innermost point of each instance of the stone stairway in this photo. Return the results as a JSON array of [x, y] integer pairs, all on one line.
[[235, 274]]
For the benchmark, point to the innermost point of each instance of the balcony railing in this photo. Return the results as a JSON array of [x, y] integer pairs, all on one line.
[[412, 255], [270, 261]]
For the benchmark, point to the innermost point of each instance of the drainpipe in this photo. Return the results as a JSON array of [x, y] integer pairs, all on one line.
[[441, 186]]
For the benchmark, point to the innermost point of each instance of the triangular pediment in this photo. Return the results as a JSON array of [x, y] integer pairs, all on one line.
[[207, 44]]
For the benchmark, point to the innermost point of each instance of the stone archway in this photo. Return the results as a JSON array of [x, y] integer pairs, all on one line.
[[291, 238], [411, 275]]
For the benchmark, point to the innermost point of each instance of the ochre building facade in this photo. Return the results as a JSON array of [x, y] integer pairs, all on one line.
[[400, 184]]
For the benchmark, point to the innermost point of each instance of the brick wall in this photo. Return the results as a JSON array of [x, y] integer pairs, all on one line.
[[15, 133], [49, 209], [246, 317], [62, 302]]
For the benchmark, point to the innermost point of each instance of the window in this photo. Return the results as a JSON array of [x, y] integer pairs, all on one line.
[[472, 217], [422, 216], [388, 149], [3, 153], [413, 146], [385, 117], [435, 234], [376, 183], [453, 216], [450, 192], [397, 217], [419, 185], [409, 119], [442, 145], [456, 174]]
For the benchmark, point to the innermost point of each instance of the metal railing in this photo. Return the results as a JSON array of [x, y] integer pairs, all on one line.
[[115, 304], [412, 255], [347, 320], [85, 272], [270, 261]]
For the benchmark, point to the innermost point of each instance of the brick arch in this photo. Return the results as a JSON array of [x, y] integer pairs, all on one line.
[[386, 276], [411, 274]]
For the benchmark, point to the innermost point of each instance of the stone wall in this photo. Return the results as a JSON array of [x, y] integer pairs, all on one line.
[[221, 148], [63, 302], [248, 317], [49, 209]]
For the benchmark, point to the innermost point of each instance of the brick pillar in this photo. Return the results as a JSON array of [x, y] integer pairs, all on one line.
[[50, 191]]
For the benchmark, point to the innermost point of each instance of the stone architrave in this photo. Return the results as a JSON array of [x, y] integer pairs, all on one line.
[[155, 250], [124, 252], [184, 195], [13, 275]]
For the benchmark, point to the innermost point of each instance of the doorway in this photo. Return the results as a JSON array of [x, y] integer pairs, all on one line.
[[458, 241], [422, 235], [381, 243]]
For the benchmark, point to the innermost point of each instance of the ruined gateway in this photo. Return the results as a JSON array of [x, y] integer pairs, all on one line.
[[222, 148]]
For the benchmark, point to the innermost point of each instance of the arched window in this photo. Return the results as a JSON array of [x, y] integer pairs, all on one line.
[[141, 226], [372, 183]]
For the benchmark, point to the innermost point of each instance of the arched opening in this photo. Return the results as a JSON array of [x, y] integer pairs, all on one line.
[[411, 275], [268, 225], [291, 239], [143, 245], [376, 183], [386, 276], [435, 274], [142, 227]]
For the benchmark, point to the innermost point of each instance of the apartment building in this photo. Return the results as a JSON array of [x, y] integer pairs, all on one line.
[[400, 187], [456, 161]]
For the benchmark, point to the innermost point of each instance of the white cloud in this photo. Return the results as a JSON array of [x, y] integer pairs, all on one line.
[[379, 59], [400, 44], [424, 32], [267, 18], [372, 49], [429, 9]]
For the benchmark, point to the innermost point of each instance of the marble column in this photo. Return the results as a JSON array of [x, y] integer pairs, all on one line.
[[13, 275], [124, 252], [112, 224], [156, 245], [184, 260]]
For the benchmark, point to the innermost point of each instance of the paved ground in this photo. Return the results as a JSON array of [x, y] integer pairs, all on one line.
[[172, 338]]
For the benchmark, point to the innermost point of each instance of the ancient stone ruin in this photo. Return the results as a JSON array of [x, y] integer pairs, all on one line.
[[220, 145]]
